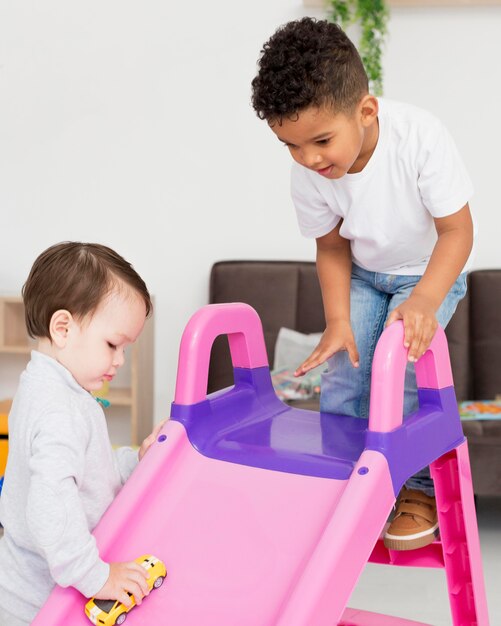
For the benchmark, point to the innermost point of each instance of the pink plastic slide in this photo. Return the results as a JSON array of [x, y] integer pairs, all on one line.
[[265, 515]]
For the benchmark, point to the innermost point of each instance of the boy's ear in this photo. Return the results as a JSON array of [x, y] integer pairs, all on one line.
[[60, 324], [369, 109]]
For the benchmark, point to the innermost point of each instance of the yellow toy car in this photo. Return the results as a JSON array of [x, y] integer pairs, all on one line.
[[111, 612]]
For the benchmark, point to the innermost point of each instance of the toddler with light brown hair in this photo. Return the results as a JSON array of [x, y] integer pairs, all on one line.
[[84, 304]]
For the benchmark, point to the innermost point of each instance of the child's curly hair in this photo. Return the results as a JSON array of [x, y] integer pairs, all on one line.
[[307, 62]]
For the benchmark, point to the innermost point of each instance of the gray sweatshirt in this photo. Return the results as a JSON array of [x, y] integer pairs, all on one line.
[[61, 476]]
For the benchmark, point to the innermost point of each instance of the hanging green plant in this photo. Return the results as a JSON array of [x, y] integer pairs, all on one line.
[[372, 16]]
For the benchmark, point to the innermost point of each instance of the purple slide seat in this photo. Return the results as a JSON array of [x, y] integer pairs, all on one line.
[[247, 424]]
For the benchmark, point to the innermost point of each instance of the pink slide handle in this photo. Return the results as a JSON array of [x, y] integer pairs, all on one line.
[[433, 371], [245, 337]]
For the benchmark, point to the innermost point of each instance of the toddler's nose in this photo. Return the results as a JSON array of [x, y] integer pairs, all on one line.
[[119, 359]]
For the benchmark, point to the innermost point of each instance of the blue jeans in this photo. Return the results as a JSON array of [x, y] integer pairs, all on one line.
[[345, 390]]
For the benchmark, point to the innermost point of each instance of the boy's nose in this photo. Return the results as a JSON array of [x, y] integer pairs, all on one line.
[[311, 158]]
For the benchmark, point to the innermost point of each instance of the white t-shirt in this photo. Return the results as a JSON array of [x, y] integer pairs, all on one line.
[[414, 175]]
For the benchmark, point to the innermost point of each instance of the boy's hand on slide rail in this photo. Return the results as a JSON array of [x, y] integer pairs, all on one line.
[[123, 578], [420, 324], [337, 336]]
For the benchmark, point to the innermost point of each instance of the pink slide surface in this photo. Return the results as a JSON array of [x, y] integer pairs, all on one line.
[[232, 543]]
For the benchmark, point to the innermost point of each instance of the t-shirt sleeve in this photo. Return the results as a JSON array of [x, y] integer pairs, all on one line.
[[54, 511], [443, 181], [315, 217]]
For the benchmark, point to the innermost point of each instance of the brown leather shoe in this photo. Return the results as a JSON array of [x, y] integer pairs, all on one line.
[[415, 523]]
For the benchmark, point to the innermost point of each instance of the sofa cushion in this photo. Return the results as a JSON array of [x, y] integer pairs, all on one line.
[[485, 333]]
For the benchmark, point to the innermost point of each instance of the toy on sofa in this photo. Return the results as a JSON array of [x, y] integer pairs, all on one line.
[[269, 513], [110, 612]]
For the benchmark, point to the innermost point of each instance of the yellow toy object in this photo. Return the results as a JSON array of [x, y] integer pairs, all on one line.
[[110, 612], [4, 434]]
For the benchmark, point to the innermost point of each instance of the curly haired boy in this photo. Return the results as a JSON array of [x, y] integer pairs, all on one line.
[[381, 187]]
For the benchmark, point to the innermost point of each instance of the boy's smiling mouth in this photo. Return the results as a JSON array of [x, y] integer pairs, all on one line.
[[325, 171]]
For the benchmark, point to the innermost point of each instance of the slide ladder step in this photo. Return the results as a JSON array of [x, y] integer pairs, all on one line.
[[458, 548], [459, 537]]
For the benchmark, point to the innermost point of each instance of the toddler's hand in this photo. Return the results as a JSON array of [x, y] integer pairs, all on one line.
[[420, 324], [150, 439], [336, 337], [123, 578]]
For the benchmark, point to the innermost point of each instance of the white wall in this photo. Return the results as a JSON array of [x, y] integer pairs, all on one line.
[[447, 60], [129, 124]]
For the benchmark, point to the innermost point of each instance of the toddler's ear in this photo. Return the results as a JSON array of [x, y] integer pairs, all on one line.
[[60, 323]]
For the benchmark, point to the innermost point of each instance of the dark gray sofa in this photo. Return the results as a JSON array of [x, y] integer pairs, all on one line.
[[287, 293]]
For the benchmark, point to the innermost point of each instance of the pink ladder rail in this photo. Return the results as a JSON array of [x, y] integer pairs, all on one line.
[[458, 550], [459, 536]]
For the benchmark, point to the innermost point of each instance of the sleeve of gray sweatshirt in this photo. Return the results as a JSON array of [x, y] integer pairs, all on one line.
[[55, 514], [127, 459]]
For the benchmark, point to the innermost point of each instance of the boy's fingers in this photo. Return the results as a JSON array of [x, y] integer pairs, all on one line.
[[308, 365], [316, 358], [393, 317], [419, 350], [351, 348], [424, 331], [302, 369], [321, 356], [409, 326], [414, 351], [415, 340], [428, 332], [409, 333], [355, 361]]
